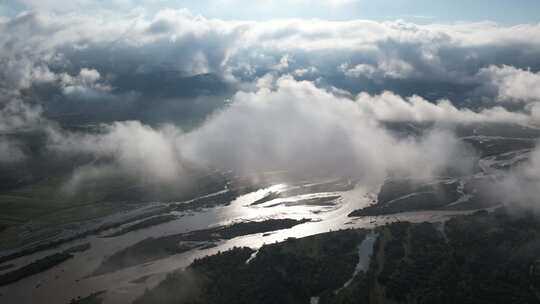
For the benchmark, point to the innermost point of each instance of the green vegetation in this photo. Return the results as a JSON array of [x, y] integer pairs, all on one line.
[[340, 185], [406, 195], [333, 186], [50, 202], [220, 199], [79, 248], [6, 267], [59, 241], [318, 201], [499, 145], [94, 298], [480, 258], [153, 221], [151, 249], [288, 272], [47, 236], [268, 197], [34, 268], [38, 197], [40, 265]]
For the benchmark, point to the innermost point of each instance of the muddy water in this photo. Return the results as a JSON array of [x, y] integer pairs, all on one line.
[[71, 278]]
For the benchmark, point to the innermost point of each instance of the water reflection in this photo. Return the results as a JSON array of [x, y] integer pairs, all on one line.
[[70, 279]]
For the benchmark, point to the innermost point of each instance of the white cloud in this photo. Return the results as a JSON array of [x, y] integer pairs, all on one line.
[[137, 149], [194, 44], [303, 72], [85, 85], [283, 63], [521, 186], [391, 107], [16, 115], [360, 70], [284, 124], [396, 68], [272, 123], [299, 127], [512, 84], [389, 68], [10, 152]]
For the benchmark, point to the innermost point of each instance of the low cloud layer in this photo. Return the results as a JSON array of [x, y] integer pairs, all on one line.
[[390, 107], [521, 186], [16, 115], [10, 152], [511, 84], [285, 125], [297, 126], [137, 149], [301, 95], [439, 60]]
